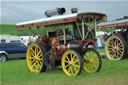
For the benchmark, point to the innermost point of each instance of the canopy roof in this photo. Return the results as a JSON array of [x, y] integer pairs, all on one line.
[[113, 24], [61, 19]]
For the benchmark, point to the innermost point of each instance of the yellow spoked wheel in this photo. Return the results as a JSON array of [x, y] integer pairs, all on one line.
[[34, 57], [91, 60], [71, 63], [115, 48]]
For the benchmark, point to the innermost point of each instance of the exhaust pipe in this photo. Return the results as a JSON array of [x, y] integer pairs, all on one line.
[[57, 11]]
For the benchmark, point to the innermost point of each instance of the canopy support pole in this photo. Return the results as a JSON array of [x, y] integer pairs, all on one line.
[[47, 32], [95, 27], [83, 29], [78, 29], [29, 33], [64, 34]]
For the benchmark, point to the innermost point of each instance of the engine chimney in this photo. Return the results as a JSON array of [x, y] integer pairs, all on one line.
[[57, 11]]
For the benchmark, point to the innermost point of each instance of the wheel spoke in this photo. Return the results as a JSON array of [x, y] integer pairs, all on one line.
[[119, 52], [95, 62], [32, 61], [92, 54], [71, 55], [31, 58], [71, 63], [33, 65], [39, 53], [66, 65], [35, 50], [32, 52], [118, 55], [71, 70], [96, 58], [94, 65], [66, 61], [111, 45], [91, 68], [114, 55], [35, 58], [40, 62], [77, 61], [73, 58], [112, 42], [88, 66], [119, 44], [75, 69], [116, 42], [76, 66], [39, 59], [86, 56], [67, 58]]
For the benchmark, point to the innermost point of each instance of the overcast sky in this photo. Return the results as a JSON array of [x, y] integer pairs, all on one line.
[[19, 11]]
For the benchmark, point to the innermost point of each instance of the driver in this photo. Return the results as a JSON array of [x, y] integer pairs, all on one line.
[[59, 32]]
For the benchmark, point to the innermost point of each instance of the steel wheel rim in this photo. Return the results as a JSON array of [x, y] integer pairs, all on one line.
[[34, 58], [114, 48], [2, 58], [91, 59], [70, 63]]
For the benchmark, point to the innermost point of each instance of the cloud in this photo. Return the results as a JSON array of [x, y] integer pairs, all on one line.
[[64, 0], [18, 11]]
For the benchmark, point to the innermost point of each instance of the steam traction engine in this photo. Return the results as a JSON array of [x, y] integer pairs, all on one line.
[[117, 39], [64, 42]]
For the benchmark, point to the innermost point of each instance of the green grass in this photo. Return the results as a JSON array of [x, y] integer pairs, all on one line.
[[100, 50], [15, 72], [10, 28], [7, 24]]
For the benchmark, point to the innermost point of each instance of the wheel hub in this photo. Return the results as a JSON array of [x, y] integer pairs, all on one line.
[[91, 60], [71, 64], [116, 49]]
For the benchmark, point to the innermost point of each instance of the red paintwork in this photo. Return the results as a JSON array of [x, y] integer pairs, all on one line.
[[90, 42], [57, 48], [106, 36], [44, 23]]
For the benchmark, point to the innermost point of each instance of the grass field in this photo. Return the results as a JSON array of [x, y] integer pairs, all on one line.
[[15, 72], [10, 28]]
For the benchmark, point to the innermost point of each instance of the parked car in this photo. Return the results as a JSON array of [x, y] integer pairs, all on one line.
[[12, 50]]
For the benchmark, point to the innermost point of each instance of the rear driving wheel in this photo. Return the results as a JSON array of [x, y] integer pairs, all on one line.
[[71, 63], [34, 57], [115, 48], [91, 60]]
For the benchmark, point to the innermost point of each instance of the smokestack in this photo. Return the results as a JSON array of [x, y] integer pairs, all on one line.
[[74, 10], [57, 11]]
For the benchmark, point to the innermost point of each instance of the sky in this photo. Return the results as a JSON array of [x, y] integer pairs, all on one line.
[[19, 11]]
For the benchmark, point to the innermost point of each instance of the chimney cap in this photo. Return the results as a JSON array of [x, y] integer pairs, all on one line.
[[74, 10]]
